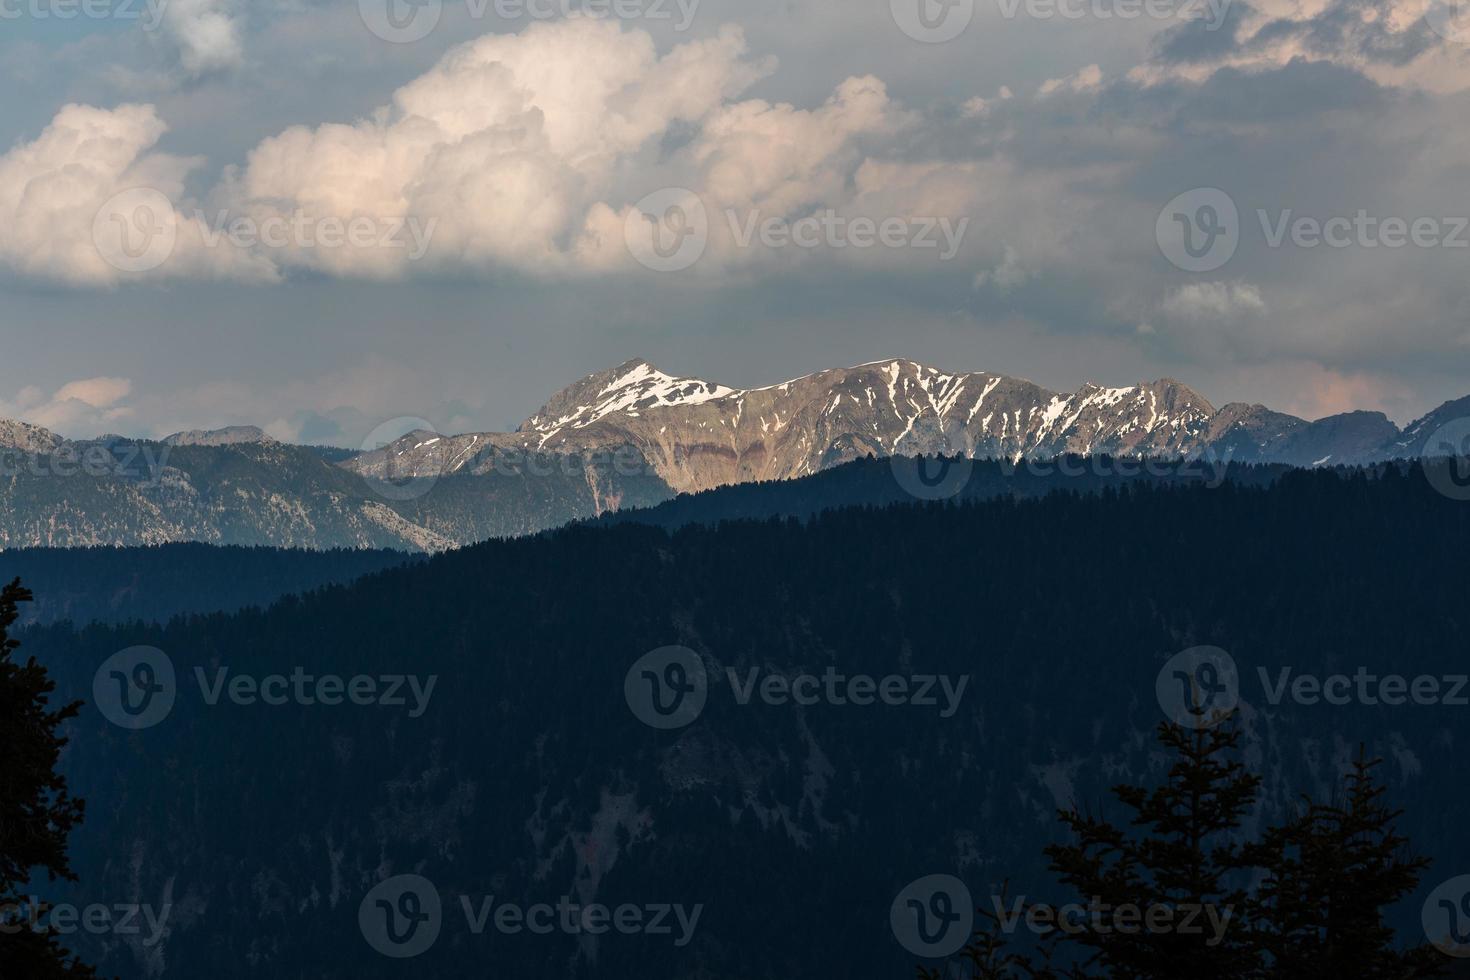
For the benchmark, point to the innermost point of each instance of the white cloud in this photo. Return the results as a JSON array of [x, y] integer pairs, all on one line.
[[1087, 79], [506, 144], [207, 33], [1214, 301], [519, 151], [978, 107], [53, 189], [95, 392], [84, 407]]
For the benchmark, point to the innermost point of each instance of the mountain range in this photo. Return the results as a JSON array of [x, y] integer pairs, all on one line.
[[698, 434], [628, 437]]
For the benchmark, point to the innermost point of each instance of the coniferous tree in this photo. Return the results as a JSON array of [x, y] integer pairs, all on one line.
[[1180, 856], [37, 813], [1330, 875], [1317, 914]]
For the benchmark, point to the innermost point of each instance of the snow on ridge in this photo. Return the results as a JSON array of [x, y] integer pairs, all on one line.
[[1093, 415]]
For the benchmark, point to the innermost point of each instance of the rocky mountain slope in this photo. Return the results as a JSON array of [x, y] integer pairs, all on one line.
[[630, 436], [26, 438], [262, 492], [698, 434], [229, 436]]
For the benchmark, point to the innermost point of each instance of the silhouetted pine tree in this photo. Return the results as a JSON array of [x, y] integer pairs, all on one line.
[[36, 811], [1318, 913], [1330, 875], [1181, 861]]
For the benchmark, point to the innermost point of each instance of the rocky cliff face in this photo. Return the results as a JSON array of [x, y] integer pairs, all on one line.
[[233, 435], [27, 438], [252, 492]]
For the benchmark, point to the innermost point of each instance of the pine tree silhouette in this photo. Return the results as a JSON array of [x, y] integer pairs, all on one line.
[[1326, 878], [1330, 875], [36, 811], [1181, 862]]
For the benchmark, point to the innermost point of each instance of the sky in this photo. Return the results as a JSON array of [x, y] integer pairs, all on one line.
[[319, 215]]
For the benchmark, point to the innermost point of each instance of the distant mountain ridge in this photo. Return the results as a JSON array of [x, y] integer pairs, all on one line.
[[631, 436], [698, 434], [229, 436]]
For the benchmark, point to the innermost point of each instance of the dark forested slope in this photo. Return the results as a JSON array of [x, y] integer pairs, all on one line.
[[526, 776]]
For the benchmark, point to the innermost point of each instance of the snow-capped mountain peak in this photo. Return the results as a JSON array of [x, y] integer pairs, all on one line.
[[697, 434], [628, 390]]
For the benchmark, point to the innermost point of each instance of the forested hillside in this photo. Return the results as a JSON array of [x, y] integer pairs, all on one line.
[[526, 773], [115, 585]]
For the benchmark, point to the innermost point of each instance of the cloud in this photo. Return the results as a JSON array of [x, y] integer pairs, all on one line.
[[1007, 275], [1087, 79], [978, 107], [51, 189], [86, 406], [1393, 42], [95, 392], [504, 145], [518, 151], [1214, 301], [58, 192], [207, 33]]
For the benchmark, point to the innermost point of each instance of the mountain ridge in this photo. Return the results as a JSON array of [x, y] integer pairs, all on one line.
[[635, 436], [699, 434]]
